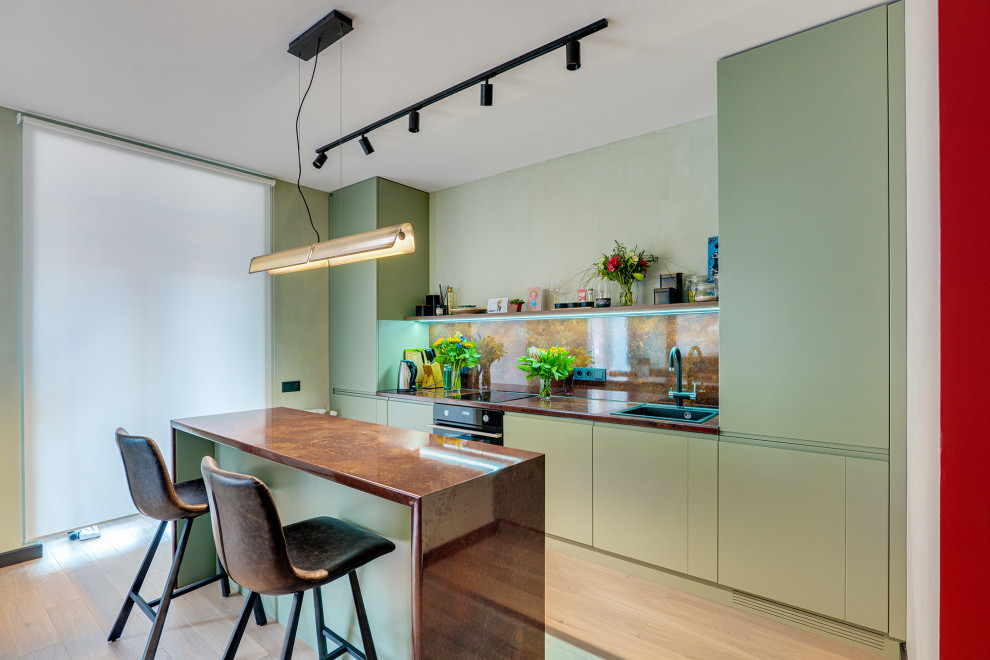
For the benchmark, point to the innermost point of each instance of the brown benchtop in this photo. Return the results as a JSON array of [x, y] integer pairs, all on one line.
[[597, 410], [392, 463]]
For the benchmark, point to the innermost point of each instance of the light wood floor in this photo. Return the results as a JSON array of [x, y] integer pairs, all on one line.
[[62, 606]]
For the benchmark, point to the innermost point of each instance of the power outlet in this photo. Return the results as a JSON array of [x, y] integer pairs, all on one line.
[[589, 375], [290, 386]]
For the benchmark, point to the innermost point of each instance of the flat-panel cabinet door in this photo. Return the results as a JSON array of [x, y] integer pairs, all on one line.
[[781, 525], [411, 416], [567, 446], [641, 495], [369, 409], [803, 229]]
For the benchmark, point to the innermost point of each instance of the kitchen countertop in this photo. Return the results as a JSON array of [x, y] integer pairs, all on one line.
[[389, 462], [598, 410]]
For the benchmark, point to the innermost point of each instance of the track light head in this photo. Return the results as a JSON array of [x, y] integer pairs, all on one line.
[[320, 159], [573, 50], [366, 145], [414, 121], [487, 93]]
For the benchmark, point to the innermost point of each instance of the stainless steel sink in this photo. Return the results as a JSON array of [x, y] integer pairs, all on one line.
[[690, 415]]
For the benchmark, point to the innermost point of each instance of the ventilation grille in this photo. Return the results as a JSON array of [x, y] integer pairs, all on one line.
[[830, 627]]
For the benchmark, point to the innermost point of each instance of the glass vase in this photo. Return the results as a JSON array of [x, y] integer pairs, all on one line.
[[485, 380], [455, 378], [626, 294], [545, 388]]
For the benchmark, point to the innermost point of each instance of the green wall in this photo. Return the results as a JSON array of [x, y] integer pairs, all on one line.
[[11, 492], [300, 303], [497, 236]]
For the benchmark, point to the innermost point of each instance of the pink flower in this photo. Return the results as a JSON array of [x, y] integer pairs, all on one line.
[[613, 263]]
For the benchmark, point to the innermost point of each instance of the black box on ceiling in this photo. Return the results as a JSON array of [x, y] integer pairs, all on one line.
[[326, 31]]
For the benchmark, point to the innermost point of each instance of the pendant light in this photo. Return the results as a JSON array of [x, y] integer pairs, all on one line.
[[375, 244]]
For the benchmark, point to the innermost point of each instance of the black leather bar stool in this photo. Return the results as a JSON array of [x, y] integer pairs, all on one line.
[[260, 554], [157, 497]]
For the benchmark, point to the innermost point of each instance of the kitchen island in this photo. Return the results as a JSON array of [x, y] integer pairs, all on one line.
[[467, 578]]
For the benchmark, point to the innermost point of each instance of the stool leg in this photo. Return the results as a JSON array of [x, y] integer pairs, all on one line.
[[369, 645], [321, 640], [173, 576], [259, 613], [224, 581], [235, 638], [125, 610], [291, 626]]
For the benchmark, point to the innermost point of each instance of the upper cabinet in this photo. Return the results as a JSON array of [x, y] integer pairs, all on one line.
[[366, 293], [804, 223]]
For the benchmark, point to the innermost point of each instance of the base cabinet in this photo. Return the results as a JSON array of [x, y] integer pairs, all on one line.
[[361, 407], [567, 445], [655, 497], [805, 528], [410, 416]]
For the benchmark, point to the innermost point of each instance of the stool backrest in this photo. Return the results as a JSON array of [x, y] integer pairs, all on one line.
[[247, 530], [147, 477]]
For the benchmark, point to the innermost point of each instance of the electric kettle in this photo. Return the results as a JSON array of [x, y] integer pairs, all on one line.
[[407, 376]]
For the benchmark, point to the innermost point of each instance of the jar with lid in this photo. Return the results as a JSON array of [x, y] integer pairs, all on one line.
[[693, 282], [704, 292]]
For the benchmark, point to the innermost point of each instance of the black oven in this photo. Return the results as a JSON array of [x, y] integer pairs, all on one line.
[[467, 422]]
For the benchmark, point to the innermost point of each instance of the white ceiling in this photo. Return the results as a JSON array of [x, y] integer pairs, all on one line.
[[213, 78]]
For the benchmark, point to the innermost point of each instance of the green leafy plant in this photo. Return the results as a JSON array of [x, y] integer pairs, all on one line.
[[547, 364], [516, 301], [458, 352]]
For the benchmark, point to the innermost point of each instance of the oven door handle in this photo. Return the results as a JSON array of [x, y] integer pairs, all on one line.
[[465, 431]]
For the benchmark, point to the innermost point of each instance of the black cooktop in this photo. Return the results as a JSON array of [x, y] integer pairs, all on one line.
[[491, 396]]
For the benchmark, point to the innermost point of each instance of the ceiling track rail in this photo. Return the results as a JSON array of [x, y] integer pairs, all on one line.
[[470, 82]]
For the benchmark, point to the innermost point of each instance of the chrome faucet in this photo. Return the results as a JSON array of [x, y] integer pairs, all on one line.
[[674, 364]]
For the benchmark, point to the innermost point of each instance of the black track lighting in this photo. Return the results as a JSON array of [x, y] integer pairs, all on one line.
[[366, 145], [573, 50], [570, 42], [320, 159]]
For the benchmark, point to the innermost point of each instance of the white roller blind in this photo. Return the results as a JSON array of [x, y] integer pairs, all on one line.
[[138, 308]]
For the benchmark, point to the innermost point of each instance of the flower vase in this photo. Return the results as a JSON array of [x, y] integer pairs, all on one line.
[[455, 377], [545, 388], [486, 379], [626, 296]]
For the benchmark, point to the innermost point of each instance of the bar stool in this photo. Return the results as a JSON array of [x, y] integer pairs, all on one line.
[[157, 497], [260, 554]]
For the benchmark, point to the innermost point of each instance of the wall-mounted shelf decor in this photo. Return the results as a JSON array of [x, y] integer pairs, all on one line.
[[578, 312]]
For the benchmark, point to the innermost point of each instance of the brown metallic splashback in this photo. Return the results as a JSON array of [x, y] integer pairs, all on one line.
[[632, 349]]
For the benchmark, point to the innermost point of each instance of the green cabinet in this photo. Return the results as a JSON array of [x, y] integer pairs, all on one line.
[[410, 415], [805, 528], [362, 407], [567, 446], [368, 299], [655, 497], [803, 232]]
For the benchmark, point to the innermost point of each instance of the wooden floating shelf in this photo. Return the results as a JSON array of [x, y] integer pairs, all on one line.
[[576, 312]]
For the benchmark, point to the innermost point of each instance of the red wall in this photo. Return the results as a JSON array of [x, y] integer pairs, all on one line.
[[964, 100]]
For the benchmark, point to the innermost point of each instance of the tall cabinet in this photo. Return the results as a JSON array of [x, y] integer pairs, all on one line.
[[368, 299], [811, 225]]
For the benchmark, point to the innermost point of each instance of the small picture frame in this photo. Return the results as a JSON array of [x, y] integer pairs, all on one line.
[[534, 299], [498, 305]]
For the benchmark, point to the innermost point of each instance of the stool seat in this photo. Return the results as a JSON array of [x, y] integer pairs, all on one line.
[[192, 497], [324, 549]]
